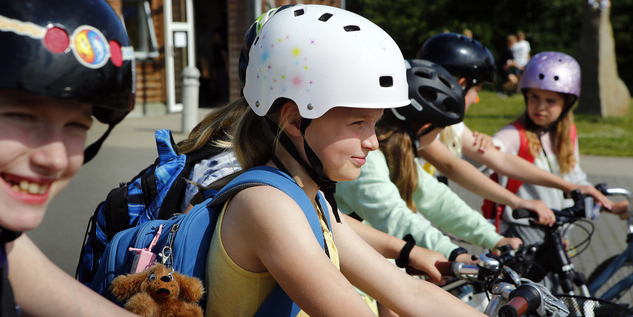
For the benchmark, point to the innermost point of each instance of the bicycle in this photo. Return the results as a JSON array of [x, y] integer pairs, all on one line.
[[614, 276], [502, 285], [512, 296], [550, 258]]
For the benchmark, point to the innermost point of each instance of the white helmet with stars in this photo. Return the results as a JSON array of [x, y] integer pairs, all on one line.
[[323, 57]]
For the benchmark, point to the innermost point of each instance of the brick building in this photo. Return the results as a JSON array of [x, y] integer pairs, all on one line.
[[169, 35]]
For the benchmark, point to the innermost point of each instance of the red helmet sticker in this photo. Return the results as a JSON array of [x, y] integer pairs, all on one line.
[[90, 47], [56, 40], [115, 53]]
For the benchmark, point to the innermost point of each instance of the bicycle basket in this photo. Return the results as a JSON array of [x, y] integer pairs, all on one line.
[[580, 306]]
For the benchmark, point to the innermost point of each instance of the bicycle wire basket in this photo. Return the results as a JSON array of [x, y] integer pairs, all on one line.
[[580, 306]]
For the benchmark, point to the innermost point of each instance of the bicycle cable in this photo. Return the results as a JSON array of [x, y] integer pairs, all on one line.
[[584, 243]]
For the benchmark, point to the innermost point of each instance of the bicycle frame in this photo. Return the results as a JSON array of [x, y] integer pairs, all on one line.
[[554, 258], [626, 283], [550, 255]]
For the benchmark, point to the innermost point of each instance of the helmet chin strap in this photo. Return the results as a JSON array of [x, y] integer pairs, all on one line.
[[8, 235], [314, 169], [415, 139], [91, 151]]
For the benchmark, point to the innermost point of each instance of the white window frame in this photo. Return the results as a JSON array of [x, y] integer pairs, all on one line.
[[146, 29]]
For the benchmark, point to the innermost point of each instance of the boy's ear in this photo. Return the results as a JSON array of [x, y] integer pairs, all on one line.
[[462, 81], [290, 119]]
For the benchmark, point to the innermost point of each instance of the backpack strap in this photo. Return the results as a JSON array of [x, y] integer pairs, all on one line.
[[166, 151], [270, 176], [278, 302], [492, 210]]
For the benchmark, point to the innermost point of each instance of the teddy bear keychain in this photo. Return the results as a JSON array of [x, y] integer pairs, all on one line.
[[153, 290], [159, 292]]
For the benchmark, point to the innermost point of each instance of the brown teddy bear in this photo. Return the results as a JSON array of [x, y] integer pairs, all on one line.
[[159, 292]]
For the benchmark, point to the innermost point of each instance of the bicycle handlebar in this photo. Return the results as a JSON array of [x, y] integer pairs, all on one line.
[[515, 308], [525, 298], [448, 269]]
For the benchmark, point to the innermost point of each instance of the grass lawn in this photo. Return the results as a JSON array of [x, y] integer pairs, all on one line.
[[596, 135]]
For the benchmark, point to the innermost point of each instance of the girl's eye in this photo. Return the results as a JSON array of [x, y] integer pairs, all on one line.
[[79, 125], [20, 116]]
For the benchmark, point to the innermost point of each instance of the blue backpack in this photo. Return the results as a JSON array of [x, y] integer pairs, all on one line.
[[155, 193], [185, 239]]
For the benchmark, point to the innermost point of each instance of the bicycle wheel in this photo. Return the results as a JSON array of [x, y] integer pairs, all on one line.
[[625, 270], [580, 306]]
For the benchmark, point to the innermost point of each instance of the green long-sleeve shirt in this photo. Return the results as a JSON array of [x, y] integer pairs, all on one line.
[[376, 199]]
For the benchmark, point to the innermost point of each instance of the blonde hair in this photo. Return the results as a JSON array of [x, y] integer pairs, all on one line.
[[397, 147], [253, 142], [452, 140], [563, 144], [216, 128]]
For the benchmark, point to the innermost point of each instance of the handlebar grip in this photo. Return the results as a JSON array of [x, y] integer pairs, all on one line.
[[602, 187], [445, 268], [515, 308], [523, 213], [526, 298]]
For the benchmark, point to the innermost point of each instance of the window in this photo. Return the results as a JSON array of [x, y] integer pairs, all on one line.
[[137, 16]]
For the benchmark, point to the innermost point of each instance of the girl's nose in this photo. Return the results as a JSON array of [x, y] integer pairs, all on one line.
[[371, 142], [50, 158]]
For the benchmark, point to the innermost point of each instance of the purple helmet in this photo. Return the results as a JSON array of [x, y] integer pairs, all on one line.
[[552, 71]]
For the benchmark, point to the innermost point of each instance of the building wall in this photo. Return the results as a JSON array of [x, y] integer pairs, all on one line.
[[150, 74]]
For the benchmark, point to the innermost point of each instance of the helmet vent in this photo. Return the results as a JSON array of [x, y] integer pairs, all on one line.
[[386, 81], [447, 105], [256, 39], [299, 12], [555, 77], [351, 28], [422, 74], [428, 94], [325, 17], [445, 81], [541, 76]]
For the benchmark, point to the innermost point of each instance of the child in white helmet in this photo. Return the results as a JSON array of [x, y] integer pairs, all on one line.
[[317, 81]]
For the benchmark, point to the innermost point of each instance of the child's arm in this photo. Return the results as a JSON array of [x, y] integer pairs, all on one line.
[[469, 177], [366, 269], [390, 247], [265, 230], [42, 289], [522, 170]]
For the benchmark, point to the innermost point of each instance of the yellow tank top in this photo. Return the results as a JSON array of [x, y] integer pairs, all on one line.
[[234, 291]]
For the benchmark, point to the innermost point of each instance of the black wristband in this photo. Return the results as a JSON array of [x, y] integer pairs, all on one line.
[[403, 260], [456, 253]]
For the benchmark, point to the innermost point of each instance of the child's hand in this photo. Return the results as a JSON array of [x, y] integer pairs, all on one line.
[[621, 209], [545, 214], [598, 197], [466, 259], [483, 140], [514, 243], [424, 260]]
